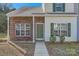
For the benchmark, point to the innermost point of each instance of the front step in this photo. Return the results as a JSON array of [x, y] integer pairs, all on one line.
[[39, 40]]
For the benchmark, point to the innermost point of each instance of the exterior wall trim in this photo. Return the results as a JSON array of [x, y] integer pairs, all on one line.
[[8, 29], [33, 29], [47, 15]]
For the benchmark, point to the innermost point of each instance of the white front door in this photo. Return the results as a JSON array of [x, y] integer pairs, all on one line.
[[39, 31]]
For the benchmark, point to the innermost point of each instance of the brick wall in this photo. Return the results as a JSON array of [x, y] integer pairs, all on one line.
[[15, 20]]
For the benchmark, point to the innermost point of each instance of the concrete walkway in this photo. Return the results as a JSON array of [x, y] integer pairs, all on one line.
[[40, 49]]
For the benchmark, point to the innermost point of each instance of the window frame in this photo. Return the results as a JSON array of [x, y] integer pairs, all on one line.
[[22, 29], [55, 7], [17, 29], [64, 30], [59, 30], [27, 29]]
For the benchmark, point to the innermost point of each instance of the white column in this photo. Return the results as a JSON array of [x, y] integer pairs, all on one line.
[[8, 29], [33, 29]]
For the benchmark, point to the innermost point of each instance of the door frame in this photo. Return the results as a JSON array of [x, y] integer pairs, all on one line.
[[36, 31]]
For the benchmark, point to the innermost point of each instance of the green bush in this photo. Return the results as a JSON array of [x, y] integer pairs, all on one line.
[[53, 38], [62, 38]]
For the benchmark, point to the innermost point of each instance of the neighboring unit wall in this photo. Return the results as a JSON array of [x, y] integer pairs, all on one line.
[[51, 19], [69, 7]]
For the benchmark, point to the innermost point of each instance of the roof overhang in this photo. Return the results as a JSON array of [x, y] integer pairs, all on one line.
[[56, 14], [24, 11], [48, 14]]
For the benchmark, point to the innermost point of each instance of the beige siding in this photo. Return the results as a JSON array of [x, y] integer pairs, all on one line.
[[69, 7], [48, 7], [72, 20]]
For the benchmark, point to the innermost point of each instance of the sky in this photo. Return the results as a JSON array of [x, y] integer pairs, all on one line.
[[19, 5]]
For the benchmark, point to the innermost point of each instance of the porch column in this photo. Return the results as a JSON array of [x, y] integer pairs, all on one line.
[[33, 29], [8, 29]]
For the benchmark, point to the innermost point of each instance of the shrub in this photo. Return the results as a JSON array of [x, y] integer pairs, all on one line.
[[62, 38], [52, 38]]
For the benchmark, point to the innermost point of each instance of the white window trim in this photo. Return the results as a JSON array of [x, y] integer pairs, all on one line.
[[18, 29], [60, 28], [57, 10], [27, 29], [24, 30]]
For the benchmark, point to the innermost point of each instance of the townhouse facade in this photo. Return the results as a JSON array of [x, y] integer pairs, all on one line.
[[39, 23]]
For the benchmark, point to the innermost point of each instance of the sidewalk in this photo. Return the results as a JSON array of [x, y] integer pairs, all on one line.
[[40, 49]]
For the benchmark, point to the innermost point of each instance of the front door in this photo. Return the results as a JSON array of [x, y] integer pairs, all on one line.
[[39, 31]]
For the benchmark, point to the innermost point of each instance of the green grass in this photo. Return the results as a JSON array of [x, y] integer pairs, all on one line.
[[3, 35]]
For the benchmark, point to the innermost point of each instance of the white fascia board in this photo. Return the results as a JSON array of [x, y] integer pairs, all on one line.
[[62, 15]]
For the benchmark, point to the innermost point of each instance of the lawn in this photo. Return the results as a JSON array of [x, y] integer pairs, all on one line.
[[64, 49], [29, 47], [8, 50], [3, 35]]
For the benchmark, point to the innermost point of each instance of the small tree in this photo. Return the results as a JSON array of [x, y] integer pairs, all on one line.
[[4, 8]]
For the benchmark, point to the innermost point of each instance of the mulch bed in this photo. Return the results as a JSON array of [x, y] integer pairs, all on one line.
[[63, 49]]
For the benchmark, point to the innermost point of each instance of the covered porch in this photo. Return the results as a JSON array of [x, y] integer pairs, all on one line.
[[26, 28]]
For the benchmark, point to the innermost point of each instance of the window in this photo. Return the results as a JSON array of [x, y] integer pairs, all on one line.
[[27, 29], [57, 7], [61, 29], [18, 29], [23, 29], [56, 29], [64, 29]]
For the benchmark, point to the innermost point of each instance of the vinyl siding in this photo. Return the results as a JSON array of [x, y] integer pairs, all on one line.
[[69, 7], [72, 20]]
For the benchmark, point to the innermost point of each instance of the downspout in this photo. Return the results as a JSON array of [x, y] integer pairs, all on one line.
[[43, 7]]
